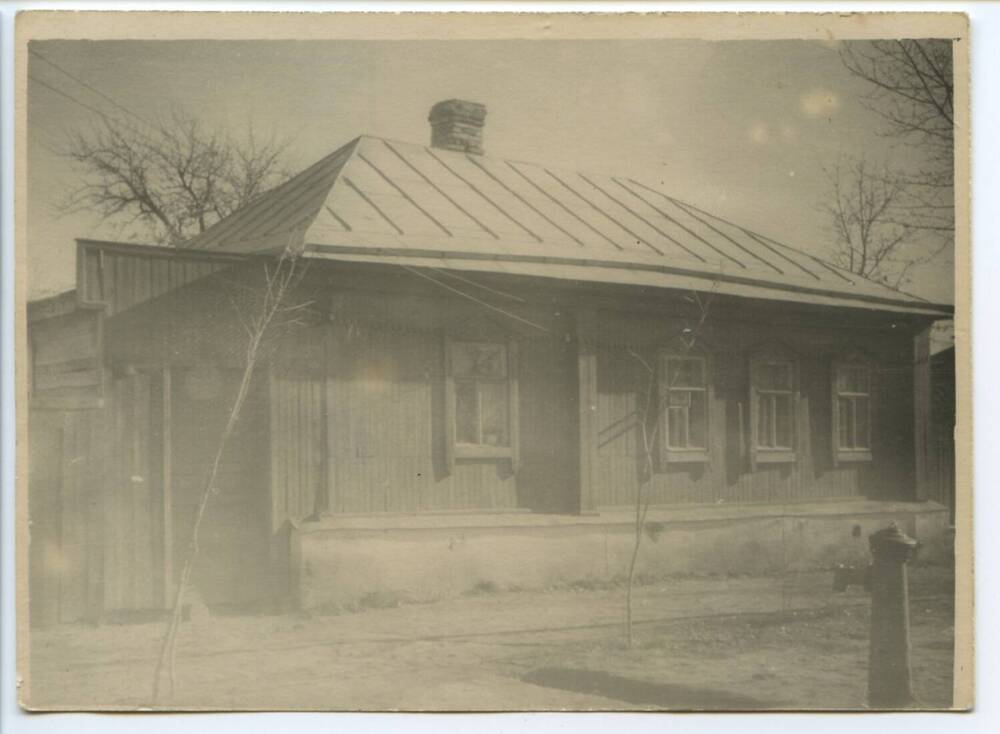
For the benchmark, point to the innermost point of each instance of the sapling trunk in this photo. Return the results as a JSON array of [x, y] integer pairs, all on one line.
[[277, 283]]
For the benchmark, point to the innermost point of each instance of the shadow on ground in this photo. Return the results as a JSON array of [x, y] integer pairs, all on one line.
[[642, 693]]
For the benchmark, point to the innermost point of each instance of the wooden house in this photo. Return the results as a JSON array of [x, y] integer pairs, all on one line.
[[489, 361]]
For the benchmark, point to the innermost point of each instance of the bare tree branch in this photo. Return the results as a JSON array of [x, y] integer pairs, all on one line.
[[259, 313], [172, 179], [875, 234], [912, 90], [646, 413]]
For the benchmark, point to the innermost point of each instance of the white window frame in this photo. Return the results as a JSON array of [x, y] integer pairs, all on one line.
[[763, 454], [460, 450], [851, 454], [684, 454]]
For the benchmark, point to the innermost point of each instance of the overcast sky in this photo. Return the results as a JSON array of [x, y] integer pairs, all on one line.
[[739, 128]]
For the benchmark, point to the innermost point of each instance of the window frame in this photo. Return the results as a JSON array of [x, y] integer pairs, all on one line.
[[458, 450], [673, 454], [840, 453], [774, 454]]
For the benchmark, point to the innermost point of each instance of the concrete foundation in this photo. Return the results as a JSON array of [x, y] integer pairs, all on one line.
[[340, 560]]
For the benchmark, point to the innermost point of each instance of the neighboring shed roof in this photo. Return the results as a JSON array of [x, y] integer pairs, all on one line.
[[380, 198]]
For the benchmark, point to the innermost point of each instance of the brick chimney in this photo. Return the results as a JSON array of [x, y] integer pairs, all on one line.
[[458, 125]]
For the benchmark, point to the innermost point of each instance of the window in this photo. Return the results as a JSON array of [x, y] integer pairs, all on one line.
[[773, 406], [684, 401], [482, 397], [852, 406]]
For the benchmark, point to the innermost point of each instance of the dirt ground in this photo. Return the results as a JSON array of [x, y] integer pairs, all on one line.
[[741, 643]]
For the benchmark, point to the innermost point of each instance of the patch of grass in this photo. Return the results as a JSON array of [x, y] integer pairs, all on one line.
[[371, 600], [483, 587], [591, 584], [329, 609], [380, 600]]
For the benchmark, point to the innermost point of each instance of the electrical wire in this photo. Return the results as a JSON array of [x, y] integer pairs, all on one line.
[[93, 89], [67, 96], [462, 293]]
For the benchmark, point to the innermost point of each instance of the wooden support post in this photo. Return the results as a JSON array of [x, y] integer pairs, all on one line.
[[889, 650], [923, 471], [329, 415], [586, 359], [449, 407], [168, 488]]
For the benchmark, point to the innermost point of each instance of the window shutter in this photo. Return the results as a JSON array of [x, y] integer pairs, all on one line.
[[798, 418], [662, 412]]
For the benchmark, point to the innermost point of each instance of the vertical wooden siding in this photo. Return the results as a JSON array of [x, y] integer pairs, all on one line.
[[387, 425], [369, 435], [121, 279], [67, 370], [298, 444], [942, 437], [548, 479], [96, 499], [45, 436], [133, 517], [727, 476], [233, 540]]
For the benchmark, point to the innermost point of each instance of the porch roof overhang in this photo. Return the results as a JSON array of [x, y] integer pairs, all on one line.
[[640, 275], [149, 272]]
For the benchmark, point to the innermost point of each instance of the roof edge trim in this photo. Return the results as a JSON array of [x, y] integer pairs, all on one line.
[[916, 303]]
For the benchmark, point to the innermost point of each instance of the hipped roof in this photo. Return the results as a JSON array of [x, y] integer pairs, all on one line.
[[376, 200]]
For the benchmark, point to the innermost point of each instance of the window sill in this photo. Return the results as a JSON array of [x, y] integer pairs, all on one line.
[[768, 456], [854, 456], [472, 451], [686, 456]]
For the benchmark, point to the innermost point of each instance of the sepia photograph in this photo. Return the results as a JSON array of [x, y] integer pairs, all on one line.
[[493, 364]]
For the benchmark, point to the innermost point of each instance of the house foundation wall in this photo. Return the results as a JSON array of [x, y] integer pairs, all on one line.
[[339, 561]]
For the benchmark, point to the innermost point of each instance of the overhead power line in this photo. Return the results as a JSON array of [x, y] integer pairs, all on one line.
[[67, 96], [469, 296], [93, 89]]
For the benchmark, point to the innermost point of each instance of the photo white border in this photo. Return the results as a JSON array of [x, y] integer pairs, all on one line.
[[985, 60]]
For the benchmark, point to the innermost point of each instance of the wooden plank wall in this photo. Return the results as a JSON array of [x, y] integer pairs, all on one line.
[[67, 360], [388, 450], [94, 499], [234, 538], [549, 477], [942, 437], [298, 444], [382, 391], [925, 456], [384, 428], [45, 441], [81, 562], [133, 512], [120, 279], [727, 477]]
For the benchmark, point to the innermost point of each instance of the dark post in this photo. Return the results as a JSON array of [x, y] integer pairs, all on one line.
[[889, 652]]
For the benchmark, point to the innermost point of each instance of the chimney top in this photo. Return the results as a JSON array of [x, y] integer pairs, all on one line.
[[457, 124]]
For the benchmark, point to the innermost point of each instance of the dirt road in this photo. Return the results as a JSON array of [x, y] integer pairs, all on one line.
[[701, 643]]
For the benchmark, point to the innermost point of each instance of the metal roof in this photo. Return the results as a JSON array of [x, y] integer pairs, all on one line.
[[376, 198]]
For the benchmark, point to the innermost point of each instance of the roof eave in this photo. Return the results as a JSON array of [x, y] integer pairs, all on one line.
[[440, 260]]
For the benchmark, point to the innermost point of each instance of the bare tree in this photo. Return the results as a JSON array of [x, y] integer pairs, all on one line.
[[172, 178], [647, 413], [866, 210], [264, 312], [911, 87]]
